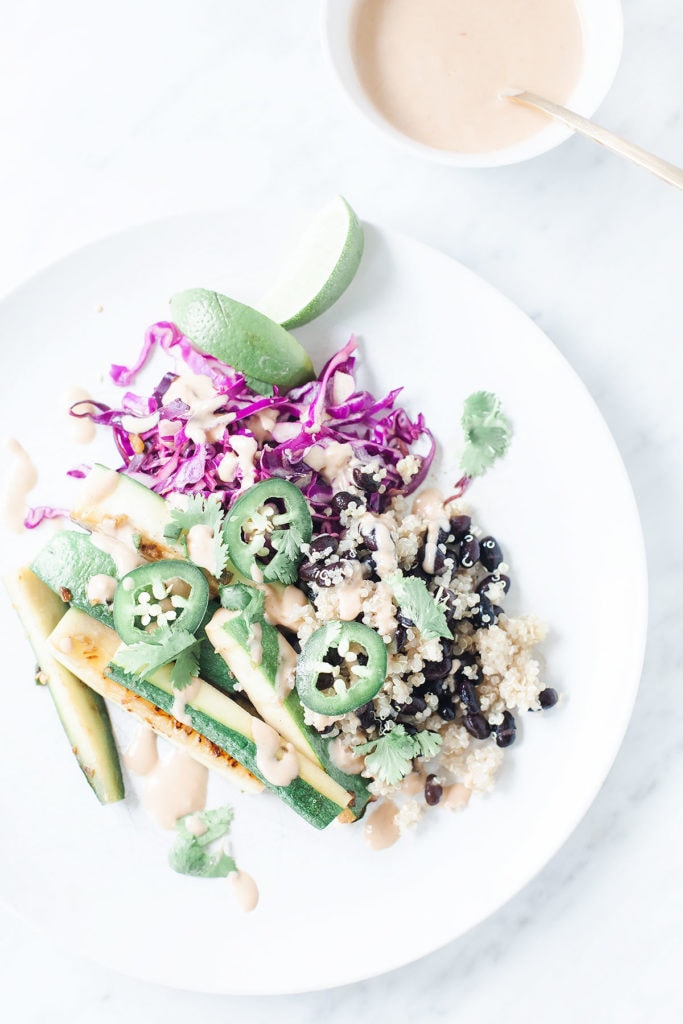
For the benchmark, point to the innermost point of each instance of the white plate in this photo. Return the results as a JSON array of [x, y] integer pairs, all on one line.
[[331, 911]]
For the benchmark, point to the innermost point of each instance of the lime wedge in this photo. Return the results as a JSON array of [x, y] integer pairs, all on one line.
[[320, 268], [241, 337]]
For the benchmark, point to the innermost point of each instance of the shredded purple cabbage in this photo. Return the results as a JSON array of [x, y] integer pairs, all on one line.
[[163, 456]]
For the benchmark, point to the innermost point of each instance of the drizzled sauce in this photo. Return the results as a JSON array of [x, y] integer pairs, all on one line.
[[100, 589], [175, 787], [201, 548], [429, 507], [455, 797], [141, 757], [435, 69], [285, 606], [276, 760], [381, 829], [343, 758], [22, 478], [244, 889]]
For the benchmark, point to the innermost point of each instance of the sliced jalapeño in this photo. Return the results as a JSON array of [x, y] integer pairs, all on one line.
[[265, 529], [169, 593], [341, 667]]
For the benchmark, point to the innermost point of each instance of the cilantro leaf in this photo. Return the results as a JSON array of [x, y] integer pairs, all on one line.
[[428, 742], [200, 511], [146, 657], [186, 667], [191, 855], [288, 542], [487, 432], [235, 596], [418, 604], [389, 758]]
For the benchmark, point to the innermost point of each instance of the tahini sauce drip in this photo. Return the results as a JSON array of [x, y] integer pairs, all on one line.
[[381, 830], [279, 771], [174, 788], [22, 478]]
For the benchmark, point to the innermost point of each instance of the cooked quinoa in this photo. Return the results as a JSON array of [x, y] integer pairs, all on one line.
[[467, 689]]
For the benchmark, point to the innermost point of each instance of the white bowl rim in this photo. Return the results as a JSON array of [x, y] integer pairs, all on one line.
[[603, 27]]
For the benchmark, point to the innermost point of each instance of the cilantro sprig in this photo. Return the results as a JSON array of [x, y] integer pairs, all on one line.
[[487, 432], [389, 757], [167, 645], [191, 854], [415, 601], [200, 511]]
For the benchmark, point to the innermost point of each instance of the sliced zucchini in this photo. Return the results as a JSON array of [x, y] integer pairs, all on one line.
[[82, 712], [70, 559], [229, 634], [92, 646], [313, 794], [107, 494]]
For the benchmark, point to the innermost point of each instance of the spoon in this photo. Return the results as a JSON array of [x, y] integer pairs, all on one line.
[[636, 154]]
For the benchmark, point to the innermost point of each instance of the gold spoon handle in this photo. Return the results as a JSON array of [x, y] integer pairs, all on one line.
[[638, 155]]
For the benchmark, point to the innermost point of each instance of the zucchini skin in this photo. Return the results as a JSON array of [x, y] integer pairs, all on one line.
[[82, 712], [317, 809]]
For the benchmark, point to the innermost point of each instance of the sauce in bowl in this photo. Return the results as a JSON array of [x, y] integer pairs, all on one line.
[[435, 69]]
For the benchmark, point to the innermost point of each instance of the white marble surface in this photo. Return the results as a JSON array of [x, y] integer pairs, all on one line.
[[116, 114]]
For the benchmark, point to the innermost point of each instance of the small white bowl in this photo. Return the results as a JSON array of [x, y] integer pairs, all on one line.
[[603, 31]]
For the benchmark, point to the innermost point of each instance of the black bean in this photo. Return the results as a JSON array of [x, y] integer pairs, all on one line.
[[410, 728], [491, 555], [365, 481], [469, 551], [468, 695], [400, 637], [370, 540], [325, 544], [333, 728], [548, 698], [343, 500], [506, 732], [485, 613], [415, 706], [437, 669], [460, 527], [404, 620], [324, 575], [491, 580], [474, 673], [367, 717], [433, 790], [477, 726], [446, 711], [439, 562]]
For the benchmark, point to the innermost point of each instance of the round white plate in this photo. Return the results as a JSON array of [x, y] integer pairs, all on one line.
[[331, 910]]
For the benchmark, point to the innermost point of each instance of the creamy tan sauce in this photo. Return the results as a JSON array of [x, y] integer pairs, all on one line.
[[276, 760], [429, 507], [197, 392], [100, 589], [332, 461], [261, 424], [285, 677], [174, 788], [381, 829], [244, 889], [98, 486], [182, 698], [19, 481], [195, 825], [384, 610], [350, 594], [82, 430], [255, 642], [455, 797], [343, 758], [201, 548], [141, 756], [66, 645], [385, 558], [118, 541], [435, 69], [413, 783], [285, 606]]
